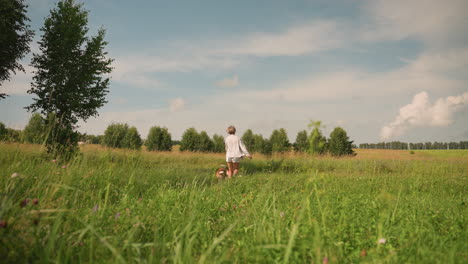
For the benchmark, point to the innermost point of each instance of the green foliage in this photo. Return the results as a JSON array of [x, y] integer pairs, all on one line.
[[204, 144], [61, 140], [92, 139], [189, 140], [218, 143], [13, 135], [159, 139], [69, 80], [267, 148], [258, 144], [114, 135], [3, 132], [339, 143], [132, 139], [302, 142], [317, 142], [248, 140], [279, 141], [35, 131], [15, 37]]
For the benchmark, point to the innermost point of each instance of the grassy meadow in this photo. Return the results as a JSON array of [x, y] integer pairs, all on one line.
[[116, 206]]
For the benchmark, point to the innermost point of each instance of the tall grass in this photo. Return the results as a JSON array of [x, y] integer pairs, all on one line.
[[114, 206]]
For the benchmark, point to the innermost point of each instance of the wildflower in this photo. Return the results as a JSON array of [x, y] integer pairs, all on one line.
[[54, 160], [363, 253], [14, 175], [64, 167], [3, 224], [24, 202], [117, 215], [325, 260], [35, 201], [282, 214], [382, 241], [96, 208]]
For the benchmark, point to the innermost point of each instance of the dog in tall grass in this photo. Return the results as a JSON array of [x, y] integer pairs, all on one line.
[[221, 173]]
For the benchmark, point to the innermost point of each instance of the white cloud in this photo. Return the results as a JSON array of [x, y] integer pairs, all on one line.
[[436, 22], [176, 104], [297, 40], [229, 82], [420, 113]]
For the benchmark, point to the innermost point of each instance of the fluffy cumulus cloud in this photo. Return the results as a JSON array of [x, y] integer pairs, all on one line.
[[424, 114]]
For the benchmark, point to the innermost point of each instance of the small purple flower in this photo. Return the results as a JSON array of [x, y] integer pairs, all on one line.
[[96, 208], [54, 160], [35, 201], [325, 260], [382, 241], [64, 167], [117, 215]]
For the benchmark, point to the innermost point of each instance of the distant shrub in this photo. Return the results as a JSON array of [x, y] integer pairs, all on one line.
[[122, 136], [132, 139], [302, 143], [204, 144], [339, 143], [411, 152], [279, 141], [114, 135], [189, 140], [159, 139], [35, 131], [248, 139], [218, 143]]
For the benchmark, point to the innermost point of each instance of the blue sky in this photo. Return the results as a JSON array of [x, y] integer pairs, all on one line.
[[383, 70]]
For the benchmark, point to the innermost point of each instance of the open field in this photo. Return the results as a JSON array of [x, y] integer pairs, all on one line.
[[114, 206]]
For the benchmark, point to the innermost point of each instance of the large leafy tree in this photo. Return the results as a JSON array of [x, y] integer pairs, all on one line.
[[15, 36], [70, 72]]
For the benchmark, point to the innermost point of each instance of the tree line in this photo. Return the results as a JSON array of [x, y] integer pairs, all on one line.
[[410, 146], [120, 135]]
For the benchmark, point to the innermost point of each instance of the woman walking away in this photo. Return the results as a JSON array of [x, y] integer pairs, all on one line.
[[235, 150]]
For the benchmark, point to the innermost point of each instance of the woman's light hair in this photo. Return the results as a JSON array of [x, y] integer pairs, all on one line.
[[231, 130]]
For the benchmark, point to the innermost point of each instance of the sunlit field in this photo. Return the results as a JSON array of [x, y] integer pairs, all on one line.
[[115, 206]]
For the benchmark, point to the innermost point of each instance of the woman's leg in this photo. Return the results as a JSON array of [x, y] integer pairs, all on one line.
[[235, 168], [230, 169]]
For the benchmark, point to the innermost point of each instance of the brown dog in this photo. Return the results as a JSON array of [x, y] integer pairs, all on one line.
[[221, 173]]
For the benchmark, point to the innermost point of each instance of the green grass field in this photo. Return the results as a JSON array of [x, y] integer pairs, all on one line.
[[113, 206]]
